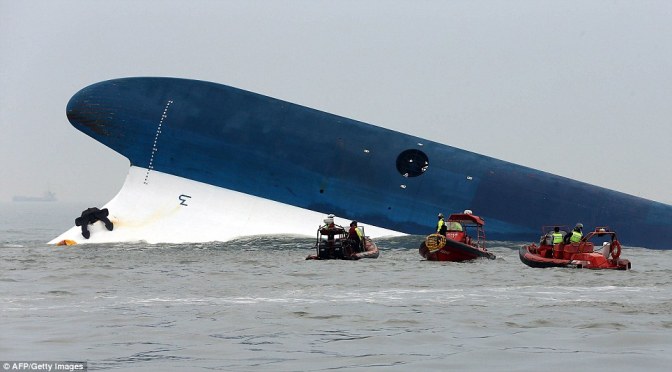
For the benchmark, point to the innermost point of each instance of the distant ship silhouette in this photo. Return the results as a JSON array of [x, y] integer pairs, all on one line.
[[47, 197]]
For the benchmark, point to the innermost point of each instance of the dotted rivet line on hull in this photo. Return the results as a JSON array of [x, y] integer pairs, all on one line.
[[156, 140]]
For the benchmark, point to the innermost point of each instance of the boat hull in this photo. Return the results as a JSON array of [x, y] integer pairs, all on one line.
[[371, 250], [530, 256], [454, 251], [235, 140]]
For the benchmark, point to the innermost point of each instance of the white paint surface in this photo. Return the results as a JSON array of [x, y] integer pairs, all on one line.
[[152, 212]]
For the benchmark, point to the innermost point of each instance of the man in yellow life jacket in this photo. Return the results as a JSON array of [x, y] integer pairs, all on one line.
[[576, 234], [557, 236], [553, 237], [441, 227]]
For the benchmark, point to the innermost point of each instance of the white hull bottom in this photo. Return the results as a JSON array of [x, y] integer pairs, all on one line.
[[156, 207]]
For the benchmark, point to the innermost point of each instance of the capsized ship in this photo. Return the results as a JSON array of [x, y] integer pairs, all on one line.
[[210, 162]]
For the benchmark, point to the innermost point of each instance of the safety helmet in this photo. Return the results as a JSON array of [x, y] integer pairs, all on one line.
[[440, 215], [579, 226], [330, 216]]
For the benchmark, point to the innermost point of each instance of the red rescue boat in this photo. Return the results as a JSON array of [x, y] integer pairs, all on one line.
[[576, 255], [458, 244]]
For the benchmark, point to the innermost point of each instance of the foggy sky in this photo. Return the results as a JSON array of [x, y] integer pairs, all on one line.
[[582, 89]]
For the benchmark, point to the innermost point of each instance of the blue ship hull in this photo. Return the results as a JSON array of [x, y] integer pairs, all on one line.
[[257, 145]]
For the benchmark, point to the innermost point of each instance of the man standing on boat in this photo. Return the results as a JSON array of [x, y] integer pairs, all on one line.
[[355, 236], [441, 227]]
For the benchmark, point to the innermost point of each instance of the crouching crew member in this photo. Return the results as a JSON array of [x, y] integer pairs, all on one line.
[[91, 216]]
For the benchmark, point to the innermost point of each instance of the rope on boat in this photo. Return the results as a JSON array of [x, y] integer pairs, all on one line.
[[435, 242]]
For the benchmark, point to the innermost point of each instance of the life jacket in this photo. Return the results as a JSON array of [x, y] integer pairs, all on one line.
[[576, 237], [355, 233], [557, 238], [441, 227]]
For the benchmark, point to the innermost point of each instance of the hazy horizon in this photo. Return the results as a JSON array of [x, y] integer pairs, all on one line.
[[578, 89]]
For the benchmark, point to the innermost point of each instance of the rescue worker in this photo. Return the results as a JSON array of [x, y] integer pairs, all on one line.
[[355, 237], [91, 216], [441, 227], [557, 236], [576, 234]]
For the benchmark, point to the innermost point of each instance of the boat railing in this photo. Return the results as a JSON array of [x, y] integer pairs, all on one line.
[[465, 237], [480, 237]]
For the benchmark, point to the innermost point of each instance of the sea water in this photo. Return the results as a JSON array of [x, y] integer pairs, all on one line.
[[256, 304]]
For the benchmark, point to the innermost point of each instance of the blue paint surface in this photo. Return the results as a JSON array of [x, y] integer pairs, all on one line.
[[292, 154]]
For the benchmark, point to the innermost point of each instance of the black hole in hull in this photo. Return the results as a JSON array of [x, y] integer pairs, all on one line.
[[412, 163]]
